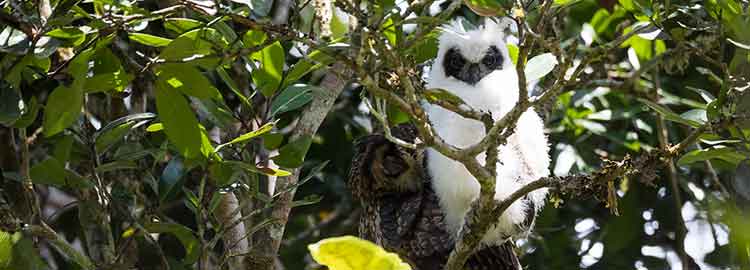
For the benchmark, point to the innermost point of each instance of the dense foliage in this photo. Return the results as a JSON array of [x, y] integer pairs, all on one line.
[[138, 134]]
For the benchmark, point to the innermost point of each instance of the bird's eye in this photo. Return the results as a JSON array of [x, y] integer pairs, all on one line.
[[493, 59], [455, 60]]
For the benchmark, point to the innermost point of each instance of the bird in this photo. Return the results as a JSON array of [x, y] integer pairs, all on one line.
[[474, 65], [401, 212]]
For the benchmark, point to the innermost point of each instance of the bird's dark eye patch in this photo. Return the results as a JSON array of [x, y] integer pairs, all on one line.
[[493, 59], [454, 62]]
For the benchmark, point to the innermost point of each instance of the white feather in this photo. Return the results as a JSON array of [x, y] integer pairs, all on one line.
[[523, 159]]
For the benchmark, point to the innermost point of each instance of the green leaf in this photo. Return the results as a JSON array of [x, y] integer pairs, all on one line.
[[52, 172], [202, 41], [272, 140], [352, 253], [539, 66], [117, 129], [184, 234], [268, 77], [727, 154], [188, 80], [71, 35], [108, 73], [426, 48], [149, 40], [313, 61], [155, 127], [696, 115], [488, 7], [178, 119], [244, 137], [63, 148], [292, 155], [669, 114], [292, 98], [221, 173], [62, 109], [181, 25]]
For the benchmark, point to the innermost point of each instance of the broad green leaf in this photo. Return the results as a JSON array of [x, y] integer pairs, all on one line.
[[62, 109], [202, 41], [669, 114], [72, 36], [352, 253], [171, 179], [489, 7], [727, 154], [184, 234], [117, 80], [254, 38], [539, 66], [108, 73], [149, 40], [63, 148], [181, 25], [426, 48], [268, 77], [221, 173], [313, 61], [292, 155], [178, 120], [188, 80], [272, 140], [244, 137], [292, 98], [52, 172]]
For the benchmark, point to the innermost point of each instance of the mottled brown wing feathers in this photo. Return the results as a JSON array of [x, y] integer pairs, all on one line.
[[408, 222]]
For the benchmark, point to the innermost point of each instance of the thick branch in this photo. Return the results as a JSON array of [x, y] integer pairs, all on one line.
[[312, 116]]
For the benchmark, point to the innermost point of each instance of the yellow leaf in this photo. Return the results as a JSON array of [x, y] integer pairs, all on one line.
[[352, 253]]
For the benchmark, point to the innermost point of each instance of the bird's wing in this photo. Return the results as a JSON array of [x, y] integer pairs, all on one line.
[[500, 257]]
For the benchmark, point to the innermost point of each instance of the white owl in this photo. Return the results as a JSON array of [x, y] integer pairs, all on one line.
[[475, 66]]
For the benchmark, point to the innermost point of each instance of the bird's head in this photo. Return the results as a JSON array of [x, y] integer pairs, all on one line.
[[471, 55]]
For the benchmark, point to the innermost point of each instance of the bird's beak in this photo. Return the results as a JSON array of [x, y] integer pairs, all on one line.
[[474, 74]]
